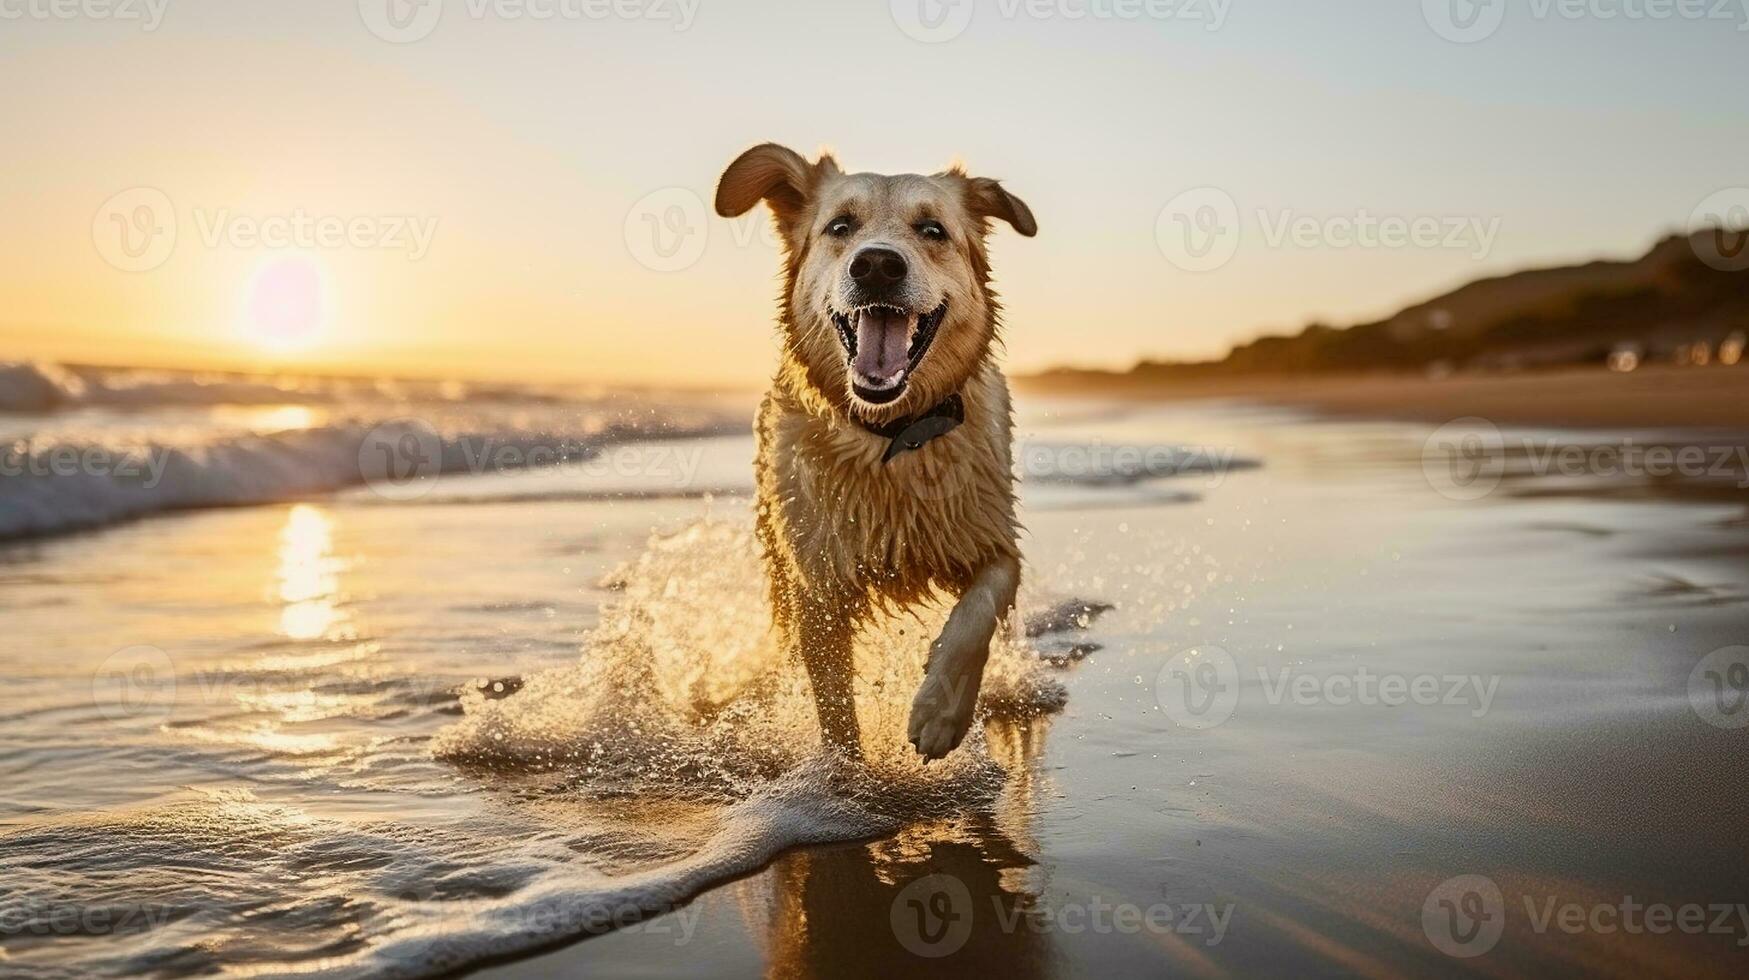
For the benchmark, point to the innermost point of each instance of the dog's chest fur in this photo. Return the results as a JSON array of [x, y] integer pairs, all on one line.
[[840, 522]]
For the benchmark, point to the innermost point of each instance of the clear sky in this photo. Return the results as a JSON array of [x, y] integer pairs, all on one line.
[[526, 151]]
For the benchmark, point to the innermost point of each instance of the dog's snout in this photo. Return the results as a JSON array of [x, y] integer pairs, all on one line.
[[876, 268]]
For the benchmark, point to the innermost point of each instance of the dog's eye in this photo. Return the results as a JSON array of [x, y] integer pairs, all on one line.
[[932, 230], [840, 226]]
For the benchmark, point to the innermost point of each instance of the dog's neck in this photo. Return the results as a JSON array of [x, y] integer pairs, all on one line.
[[913, 432]]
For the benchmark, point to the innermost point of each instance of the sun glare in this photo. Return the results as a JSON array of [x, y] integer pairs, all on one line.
[[285, 305]]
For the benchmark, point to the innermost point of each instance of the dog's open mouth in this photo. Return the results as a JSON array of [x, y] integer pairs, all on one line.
[[885, 344]]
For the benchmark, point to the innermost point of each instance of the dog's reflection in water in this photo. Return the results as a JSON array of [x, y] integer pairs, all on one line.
[[944, 899]]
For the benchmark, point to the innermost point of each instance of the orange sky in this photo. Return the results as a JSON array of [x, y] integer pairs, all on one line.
[[510, 196]]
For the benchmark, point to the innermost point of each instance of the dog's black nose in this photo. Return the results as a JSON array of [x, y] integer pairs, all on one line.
[[876, 268]]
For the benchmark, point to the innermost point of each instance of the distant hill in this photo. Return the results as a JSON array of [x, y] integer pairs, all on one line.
[[1660, 303]]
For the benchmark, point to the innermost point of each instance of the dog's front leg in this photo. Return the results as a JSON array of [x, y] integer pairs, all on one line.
[[941, 714], [823, 640]]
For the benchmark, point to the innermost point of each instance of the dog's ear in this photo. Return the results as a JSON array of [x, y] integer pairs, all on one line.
[[775, 174], [989, 199]]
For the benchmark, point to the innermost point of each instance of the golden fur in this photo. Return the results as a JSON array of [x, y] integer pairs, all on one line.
[[844, 533]]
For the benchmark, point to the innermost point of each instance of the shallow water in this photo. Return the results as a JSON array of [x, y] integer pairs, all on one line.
[[351, 735]]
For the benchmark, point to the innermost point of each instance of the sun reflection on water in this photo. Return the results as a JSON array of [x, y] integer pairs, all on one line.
[[269, 418], [309, 575]]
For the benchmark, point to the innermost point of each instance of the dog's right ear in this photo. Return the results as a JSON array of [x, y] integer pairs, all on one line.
[[768, 172]]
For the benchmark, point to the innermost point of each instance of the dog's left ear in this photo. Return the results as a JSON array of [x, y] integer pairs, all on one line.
[[774, 174], [989, 199]]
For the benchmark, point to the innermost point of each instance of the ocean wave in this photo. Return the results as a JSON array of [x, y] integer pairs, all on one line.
[[60, 484], [40, 387]]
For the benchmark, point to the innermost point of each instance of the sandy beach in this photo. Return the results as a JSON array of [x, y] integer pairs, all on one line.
[[1651, 397], [1560, 760]]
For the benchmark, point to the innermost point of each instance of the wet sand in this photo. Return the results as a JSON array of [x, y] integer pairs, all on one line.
[[1659, 396], [1193, 808], [1562, 771]]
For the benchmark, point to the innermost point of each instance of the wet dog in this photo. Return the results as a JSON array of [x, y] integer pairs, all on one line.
[[884, 466]]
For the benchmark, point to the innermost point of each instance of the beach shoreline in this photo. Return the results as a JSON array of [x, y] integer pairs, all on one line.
[[1652, 397]]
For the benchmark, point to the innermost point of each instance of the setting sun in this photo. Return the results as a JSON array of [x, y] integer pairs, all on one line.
[[285, 305]]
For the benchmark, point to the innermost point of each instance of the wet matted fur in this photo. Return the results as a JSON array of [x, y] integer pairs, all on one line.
[[887, 312]]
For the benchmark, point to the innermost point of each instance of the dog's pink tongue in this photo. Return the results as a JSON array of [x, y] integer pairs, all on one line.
[[882, 337]]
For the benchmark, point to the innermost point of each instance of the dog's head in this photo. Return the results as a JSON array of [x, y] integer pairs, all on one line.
[[888, 306]]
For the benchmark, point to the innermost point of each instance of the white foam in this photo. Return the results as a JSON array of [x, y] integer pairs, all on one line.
[[53, 485], [683, 694]]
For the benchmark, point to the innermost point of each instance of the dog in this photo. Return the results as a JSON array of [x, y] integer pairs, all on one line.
[[884, 465]]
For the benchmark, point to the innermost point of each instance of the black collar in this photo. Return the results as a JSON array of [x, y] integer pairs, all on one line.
[[911, 433]]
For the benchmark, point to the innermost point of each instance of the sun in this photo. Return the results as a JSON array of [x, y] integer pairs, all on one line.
[[285, 305]]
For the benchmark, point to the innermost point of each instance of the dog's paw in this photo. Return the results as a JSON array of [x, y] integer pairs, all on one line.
[[941, 713], [934, 736]]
